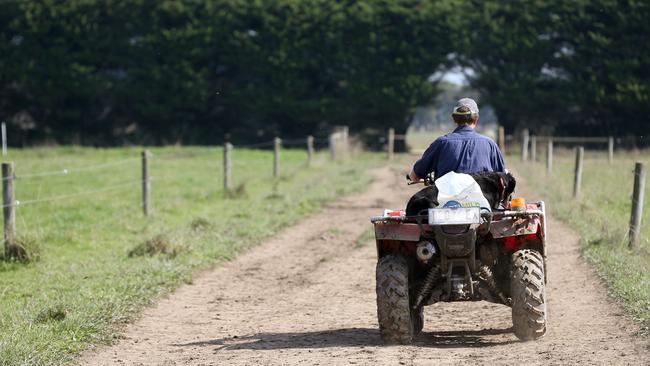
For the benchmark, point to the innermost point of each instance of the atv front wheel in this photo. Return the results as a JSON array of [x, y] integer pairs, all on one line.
[[393, 310], [528, 291]]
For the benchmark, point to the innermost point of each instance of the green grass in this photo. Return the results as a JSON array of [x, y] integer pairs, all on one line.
[[601, 215], [100, 261], [364, 238]]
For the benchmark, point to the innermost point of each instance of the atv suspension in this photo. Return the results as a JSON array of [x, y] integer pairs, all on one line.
[[485, 274], [427, 285]]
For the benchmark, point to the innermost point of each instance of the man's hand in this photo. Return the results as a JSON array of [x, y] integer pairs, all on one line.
[[414, 177]]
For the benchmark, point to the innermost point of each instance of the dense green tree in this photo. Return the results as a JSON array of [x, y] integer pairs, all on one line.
[[575, 67], [150, 71], [607, 61]]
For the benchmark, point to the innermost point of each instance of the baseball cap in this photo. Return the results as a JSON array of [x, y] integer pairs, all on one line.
[[466, 102]]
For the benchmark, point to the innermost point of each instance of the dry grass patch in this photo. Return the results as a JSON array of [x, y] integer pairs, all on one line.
[[164, 244], [23, 250]]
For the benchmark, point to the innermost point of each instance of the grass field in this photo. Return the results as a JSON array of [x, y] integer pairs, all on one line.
[[99, 261], [601, 215]]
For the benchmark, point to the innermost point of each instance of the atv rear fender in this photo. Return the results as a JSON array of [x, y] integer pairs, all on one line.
[[514, 230]]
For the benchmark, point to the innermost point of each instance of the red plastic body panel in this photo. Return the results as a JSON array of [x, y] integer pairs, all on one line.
[[512, 227], [398, 231], [513, 232]]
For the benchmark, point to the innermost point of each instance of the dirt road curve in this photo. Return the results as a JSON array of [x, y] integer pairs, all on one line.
[[307, 297]]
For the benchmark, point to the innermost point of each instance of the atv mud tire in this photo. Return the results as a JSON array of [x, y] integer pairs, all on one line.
[[528, 291], [396, 322]]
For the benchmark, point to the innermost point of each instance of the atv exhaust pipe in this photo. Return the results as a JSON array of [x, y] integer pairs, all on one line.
[[425, 251]]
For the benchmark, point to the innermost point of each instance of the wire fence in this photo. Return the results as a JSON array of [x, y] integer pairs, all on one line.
[[528, 145], [74, 195], [338, 146]]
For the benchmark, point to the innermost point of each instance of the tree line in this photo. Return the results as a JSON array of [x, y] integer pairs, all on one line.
[[102, 72]]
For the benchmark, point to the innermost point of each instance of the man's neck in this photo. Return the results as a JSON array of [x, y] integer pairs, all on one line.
[[465, 127]]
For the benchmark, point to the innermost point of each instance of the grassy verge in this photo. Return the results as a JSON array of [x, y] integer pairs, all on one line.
[[364, 238], [601, 215], [97, 261]]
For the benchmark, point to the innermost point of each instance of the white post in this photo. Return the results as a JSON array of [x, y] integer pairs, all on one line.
[[310, 149], [227, 165], [146, 184], [4, 139], [391, 144], [549, 156], [333, 147], [276, 156], [525, 136], [533, 148], [610, 149], [502, 139], [346, 142]]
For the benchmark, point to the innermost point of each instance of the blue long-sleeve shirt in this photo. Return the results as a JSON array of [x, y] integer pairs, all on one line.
[[462, 151]]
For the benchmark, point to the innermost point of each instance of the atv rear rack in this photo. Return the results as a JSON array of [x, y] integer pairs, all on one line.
[[500, 223], [488, 216]]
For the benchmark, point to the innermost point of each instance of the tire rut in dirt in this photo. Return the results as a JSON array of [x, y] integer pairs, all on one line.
[[393, 310], [528, 295]]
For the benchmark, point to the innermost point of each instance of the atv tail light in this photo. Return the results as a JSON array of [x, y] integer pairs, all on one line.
[[510, 243], [518, 204], [391, 213]]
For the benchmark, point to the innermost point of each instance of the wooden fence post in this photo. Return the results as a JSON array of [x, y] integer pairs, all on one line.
[[525, 135], [4, 139], [276, 156], [346, 142], [9, 205], [310, 150], [610, 149], [549, 156], [333, 147], [533, 148], [637, 205], [146, 183], [502, 139], [391, 144], [577, 180], [227, 165]]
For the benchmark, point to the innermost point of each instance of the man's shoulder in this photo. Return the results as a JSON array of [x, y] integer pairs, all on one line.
[[446, 137], [486, 138], [478, 136], [472, 135]]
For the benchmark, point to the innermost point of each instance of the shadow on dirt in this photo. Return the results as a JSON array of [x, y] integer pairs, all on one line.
[[465, 338], [354, 337]]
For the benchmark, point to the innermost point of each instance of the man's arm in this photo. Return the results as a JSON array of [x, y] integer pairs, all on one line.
[[498, 163], [425, 164]]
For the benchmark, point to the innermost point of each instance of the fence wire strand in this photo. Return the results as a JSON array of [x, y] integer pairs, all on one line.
[[67, 171], [18, 203]]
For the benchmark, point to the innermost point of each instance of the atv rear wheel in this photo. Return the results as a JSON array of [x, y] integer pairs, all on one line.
[[393, 310], [528, 291]]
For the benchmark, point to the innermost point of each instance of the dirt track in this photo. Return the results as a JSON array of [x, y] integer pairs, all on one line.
[[307, 297]]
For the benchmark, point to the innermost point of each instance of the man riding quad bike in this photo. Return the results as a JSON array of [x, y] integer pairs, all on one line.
[[461, 238]]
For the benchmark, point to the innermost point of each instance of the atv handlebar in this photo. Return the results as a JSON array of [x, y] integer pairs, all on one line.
[[428, 181]]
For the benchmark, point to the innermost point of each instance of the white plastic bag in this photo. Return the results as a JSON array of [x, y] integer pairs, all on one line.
[[460, 190]]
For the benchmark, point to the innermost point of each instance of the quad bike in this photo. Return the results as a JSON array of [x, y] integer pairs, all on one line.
[[461, 254]]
